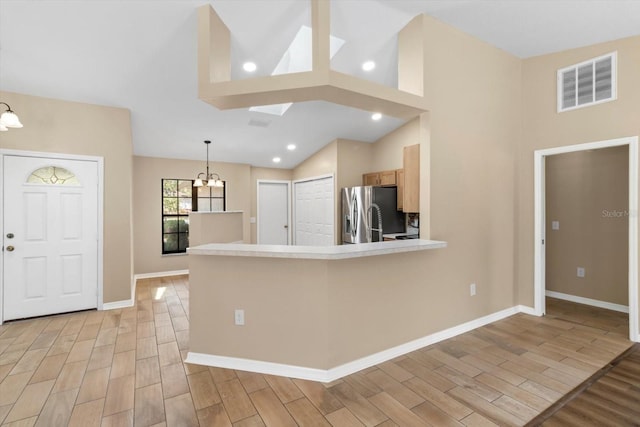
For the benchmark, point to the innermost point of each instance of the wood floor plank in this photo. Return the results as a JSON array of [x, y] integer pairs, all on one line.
[[396, 411], [235, 399], [367, 413], [101, 357], [180, 411], [343, 418], [123, 364], [168, 353], [121, 419], [31, 401], [203, 391], [87, 414], [120, 395], [174, 380], [57, 409], [71, 376], [214, 416], [486, 409], [477, 420], [434, 415], [319, 396], [81, 350], [12, 386], [30, 361], [49, 369], [395, 389], [305, 414], [252, 381], [285, 388], [147, 372], [126, 341], [94, 385], [438, 398], [271, 409], [149, 405]]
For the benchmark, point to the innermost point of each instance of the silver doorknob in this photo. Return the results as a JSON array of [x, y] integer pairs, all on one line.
[[10, 248]]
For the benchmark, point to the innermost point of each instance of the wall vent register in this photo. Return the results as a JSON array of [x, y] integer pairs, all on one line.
[[587, 83]]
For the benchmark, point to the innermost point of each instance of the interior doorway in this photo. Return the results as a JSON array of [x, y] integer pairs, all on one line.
[[274, 212], [542, 223]]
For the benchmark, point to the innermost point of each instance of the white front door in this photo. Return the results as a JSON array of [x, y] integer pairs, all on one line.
[[273, 212], [314, 212], [50, 242]]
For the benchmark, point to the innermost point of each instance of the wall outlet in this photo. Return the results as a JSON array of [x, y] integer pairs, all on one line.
[[580, 271], [239, 317], [555, 225], [472, 289]]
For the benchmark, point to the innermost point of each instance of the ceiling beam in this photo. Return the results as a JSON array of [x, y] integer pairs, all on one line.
[[321, 83]]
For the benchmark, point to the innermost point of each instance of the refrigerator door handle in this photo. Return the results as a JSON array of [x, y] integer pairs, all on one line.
[[354, 216]]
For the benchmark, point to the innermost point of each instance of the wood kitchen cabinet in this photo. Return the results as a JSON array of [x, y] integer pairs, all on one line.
[[411, 190], [400, 186], [384, 178]]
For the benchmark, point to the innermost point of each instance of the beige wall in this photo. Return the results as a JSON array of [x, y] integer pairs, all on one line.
[[387, 151], [73, 128], [147, 207], [587, 192], [323, 162], [468, 146], [267, 174], [543, 128]]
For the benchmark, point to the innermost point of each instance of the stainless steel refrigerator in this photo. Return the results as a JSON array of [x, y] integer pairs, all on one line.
[[362, 210]]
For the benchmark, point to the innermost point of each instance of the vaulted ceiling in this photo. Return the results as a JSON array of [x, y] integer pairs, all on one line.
[[141, 55]]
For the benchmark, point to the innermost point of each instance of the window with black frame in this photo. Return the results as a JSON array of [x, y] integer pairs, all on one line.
[[179, 198], [177, 203]]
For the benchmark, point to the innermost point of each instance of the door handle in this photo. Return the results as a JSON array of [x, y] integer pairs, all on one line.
[[10, 248], [286, 226]]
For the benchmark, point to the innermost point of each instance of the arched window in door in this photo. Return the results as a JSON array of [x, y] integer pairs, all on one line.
[[53, 175]]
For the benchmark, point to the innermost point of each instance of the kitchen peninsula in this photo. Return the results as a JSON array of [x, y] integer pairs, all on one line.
[[309, 312]]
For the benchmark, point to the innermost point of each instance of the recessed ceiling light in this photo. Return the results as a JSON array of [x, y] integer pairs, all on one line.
[[291, 147], [368, 66], [376, 116], [249, 67], [276, 159]]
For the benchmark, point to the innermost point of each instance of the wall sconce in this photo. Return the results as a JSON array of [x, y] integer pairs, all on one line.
[[9, 119], [212, 179]]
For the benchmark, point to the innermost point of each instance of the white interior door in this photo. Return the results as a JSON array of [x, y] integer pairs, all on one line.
[[50, 223], [314, 212], [273, 213]]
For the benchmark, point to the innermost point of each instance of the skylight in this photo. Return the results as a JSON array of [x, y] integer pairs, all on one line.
[[296, 59]]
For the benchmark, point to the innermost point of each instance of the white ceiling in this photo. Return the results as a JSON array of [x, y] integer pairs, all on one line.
[[141, 55]]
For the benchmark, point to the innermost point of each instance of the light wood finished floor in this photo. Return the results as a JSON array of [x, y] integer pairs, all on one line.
[[125, 367]]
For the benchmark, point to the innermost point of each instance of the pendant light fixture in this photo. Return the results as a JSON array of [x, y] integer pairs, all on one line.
[[211, 179], [9, 119]]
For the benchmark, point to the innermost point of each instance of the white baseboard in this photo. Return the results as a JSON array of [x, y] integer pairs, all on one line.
[[117, 304], [528, 310], [160, 274], [328, 375], [588, 301]]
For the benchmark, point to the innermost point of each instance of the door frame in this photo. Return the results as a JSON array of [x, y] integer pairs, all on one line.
[[100, 207], [289, 205], [540, 222], [336, 215]]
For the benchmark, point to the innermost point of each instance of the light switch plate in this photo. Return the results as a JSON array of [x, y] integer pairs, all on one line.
[[555, 225], [580, 271], [239, 317]]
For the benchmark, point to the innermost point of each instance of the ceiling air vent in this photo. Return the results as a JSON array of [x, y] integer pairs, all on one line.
[[588, 83]]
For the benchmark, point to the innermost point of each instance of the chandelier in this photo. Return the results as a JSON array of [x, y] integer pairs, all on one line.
[[9, 119], [210, 179]]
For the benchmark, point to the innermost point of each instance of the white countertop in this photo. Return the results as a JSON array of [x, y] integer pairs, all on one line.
[[317, 252], [394, 235]]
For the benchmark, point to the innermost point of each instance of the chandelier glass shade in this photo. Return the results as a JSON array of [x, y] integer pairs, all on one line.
[[9, 119]]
